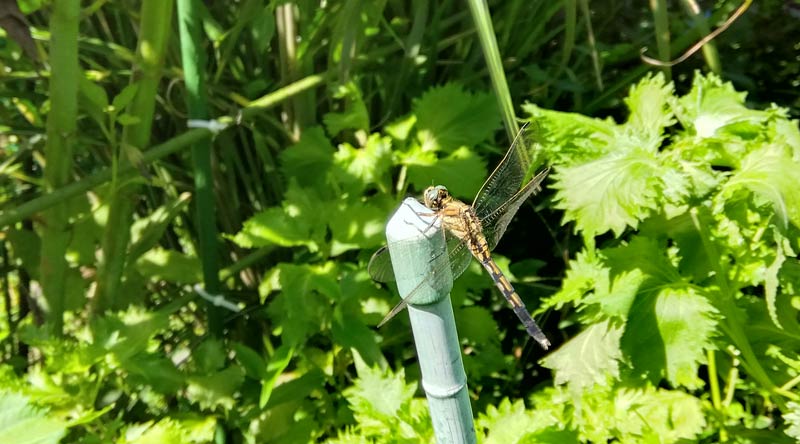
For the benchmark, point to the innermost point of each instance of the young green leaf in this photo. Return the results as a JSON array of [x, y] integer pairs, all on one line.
[[449, 117], [589, 358]]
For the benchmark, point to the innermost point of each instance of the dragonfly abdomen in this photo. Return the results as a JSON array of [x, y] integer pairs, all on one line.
[[513, 298]]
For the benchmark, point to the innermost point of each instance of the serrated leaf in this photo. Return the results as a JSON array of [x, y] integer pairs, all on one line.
[[668, 333], [571, 138], [588, 358], [299, 222], [355, 115], [462, 172], [506, 423], [449, 117], [170, 266], [21, 422], [309, 160], [378, 398], [585, 273], [613, 192], [648, 102], [215, 390], [792, 419], [771, 174], [356, 225], [305, 299], [362, 167], [714, 106], [209, 356]]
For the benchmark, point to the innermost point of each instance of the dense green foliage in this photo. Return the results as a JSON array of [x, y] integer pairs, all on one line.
[[660, 258]]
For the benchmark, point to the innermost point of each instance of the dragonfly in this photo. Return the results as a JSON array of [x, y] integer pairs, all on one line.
[[474, 230]]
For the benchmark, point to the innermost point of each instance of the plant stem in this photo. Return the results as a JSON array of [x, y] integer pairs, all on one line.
[[18, 212], [725, 304], [710, 48], [155, 30], [491, 53], [61, 127], [659, 8], [193, 59]]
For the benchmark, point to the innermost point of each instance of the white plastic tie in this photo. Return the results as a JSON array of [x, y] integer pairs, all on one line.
[[216, 299], [215, 126]]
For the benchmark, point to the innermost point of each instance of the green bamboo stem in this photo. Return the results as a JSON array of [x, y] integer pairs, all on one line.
[[710, 48], [661, 23], [154, 33], [491, 53], [61, 127], [412, 244], [193, 60], [10, 216]]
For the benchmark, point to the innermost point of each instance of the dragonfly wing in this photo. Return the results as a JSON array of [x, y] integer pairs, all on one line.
[[380, 266], [458, 261], [459, 255], [495, 223], [507, 178]]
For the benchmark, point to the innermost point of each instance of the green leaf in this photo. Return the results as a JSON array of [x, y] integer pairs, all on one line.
[[21, 422], [510, 423], [381, 401], [792, 419], [277, 364], [613, 192], [361, 167], [263, 29], [124, 97], [585, 274], [649, 105], [170, 266], [254, 365], [449, 117], [93, 99], [477, 324], [627, 414], [172, 431], [668, 333], [713, 107], [354, 116], [686, 323], [771, 174], [209, 356], [588, 358], [355, 225], [126, 119], [349, 330], [309, 161], [215, 390], [462, 172], [300, 222], [305, 299], [571, 138]]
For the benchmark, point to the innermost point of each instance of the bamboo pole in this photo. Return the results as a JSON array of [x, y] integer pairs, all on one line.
[[416, 248]]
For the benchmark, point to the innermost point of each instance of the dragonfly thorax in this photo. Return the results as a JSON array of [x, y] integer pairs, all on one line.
[[436, 197]]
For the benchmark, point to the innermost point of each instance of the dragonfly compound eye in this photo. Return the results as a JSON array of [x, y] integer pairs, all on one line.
[[434, 197]]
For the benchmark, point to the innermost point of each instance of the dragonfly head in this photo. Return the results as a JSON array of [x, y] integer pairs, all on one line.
[[435, 197]]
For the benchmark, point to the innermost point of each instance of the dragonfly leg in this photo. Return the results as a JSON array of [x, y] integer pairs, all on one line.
[[421, 217]]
